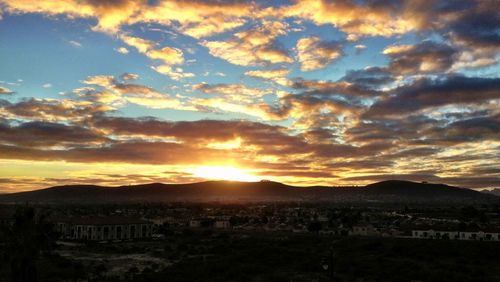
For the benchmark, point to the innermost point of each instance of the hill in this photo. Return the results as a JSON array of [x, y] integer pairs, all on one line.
[[264, 191]]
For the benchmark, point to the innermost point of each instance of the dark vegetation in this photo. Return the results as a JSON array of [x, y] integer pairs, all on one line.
[[254, 256]]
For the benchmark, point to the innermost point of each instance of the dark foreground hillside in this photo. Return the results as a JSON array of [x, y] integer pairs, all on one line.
[[298, 258], [280, 257]]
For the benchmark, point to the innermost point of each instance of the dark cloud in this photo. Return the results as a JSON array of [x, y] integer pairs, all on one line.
[[47, 134], [314, 87], [427, 93], [480, 27], [196, 131], [468, 130], [369, 78], [389, 129], [367, 164], [139, 152], [425, 57], [45, 109]]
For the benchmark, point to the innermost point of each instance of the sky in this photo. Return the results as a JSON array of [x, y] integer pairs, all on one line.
[[311, 92]]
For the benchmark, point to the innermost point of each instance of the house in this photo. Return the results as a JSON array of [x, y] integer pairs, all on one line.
[[194, 223], [436, 234], [489, 235], [104, 228], [457, 235], [364, 230], [222, 224]]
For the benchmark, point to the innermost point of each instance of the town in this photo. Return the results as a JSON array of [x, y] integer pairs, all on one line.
[[134, 242]]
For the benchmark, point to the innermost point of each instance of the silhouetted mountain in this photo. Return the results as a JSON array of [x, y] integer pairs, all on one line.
[[229, 191], [495, 191]]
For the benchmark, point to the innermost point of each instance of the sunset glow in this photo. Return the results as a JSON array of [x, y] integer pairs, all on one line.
[[223, 173], [302, 92]]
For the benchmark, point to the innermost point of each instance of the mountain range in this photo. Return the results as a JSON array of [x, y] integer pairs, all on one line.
[[263, 191]]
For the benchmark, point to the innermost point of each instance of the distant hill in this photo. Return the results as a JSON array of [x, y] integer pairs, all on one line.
[[264, 191], [495, 191]]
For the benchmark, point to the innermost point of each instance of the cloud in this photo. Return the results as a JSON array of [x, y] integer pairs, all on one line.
[[427, 93], [126, 152], [129, 76], [257, 46], [198, 18], [5, 91], [422, 58], [51, 110], [169, 55], [236, 92], [111, 14], [369, 78], [142, 45], [175, 73], [122, 50], [118, 94], [41, 133], [100, 80], [313, 54], [75, 43], [371, 121], [276, 75], [462, 131], [341, 87], [373, 18]]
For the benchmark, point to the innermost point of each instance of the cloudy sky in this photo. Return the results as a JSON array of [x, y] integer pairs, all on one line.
[[304, 92]]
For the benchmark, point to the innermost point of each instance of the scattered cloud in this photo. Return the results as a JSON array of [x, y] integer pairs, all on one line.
[[5, 91], [75, 43], [314, 54], [257, 46], [276, 75], [122, 50]]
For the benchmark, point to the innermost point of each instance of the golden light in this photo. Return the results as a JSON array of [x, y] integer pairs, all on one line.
[[224, 173]]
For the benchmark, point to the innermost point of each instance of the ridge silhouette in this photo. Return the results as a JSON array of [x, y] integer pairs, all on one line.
[[263, 191]]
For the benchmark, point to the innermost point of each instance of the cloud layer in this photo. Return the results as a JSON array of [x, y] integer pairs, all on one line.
[[305, 92]]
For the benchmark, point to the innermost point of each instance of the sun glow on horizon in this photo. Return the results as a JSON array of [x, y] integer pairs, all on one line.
[[224, 173]]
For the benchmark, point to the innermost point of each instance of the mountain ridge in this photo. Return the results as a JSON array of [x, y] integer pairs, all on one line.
[[263, 191]]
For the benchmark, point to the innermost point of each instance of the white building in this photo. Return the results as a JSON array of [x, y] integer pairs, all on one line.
[[104, 228], [456, 235]]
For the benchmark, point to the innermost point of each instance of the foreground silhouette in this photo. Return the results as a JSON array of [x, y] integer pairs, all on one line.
[[28, 236]]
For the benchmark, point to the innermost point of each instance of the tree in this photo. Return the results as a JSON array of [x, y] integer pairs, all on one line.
[[25, 240], [314, 226]]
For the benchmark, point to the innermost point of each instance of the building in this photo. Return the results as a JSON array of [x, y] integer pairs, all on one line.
[[456, 235], [364, 230], [222, 224], [194, 223], [104, 228]]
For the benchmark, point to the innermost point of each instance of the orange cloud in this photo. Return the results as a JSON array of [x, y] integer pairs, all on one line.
[[5, 90], [192, 17], [169, 55], [276, 75], [252, 47], [354, 19], [314, 54]]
